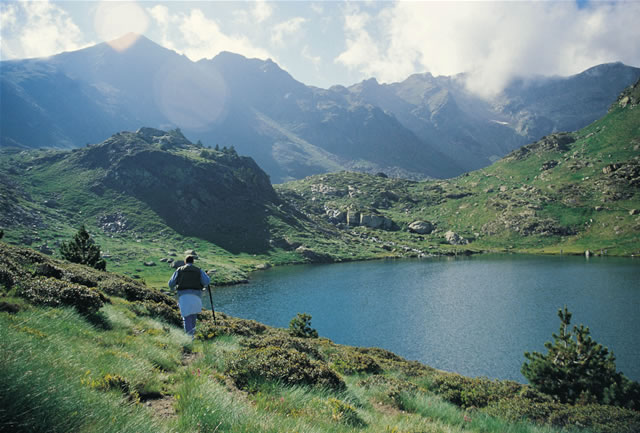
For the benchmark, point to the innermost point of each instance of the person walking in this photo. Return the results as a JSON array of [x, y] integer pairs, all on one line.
[[189, 281]]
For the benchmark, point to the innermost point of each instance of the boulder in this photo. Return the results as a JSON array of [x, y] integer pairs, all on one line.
[[455, 239], [634, 212], [176, 264], [313, 256], [263, 266], [149, 263], [421, 227], [353, 218]]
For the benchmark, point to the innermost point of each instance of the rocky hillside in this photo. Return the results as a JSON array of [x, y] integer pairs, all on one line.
[[568, 192]]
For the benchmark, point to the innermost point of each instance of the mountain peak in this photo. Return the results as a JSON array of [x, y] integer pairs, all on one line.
[[126, 41]]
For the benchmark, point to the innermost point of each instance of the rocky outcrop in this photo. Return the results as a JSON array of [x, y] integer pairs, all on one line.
[[454, 238], [313, 256], [376, 222], [421, 227]]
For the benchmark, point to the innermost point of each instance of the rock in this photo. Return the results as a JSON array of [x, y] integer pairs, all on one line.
[[587, 253], [149, 263], [421, 227], [45, 249], [263, 266], [610, 168], [503, 188], [353, 218], [598, 208], [336, 216], [634, 212], [50, 203], [548, 165], [176, 264], [191, 253], [313, 256], [455, 239]]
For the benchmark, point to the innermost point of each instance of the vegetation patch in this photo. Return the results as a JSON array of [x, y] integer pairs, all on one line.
[[286, 366]]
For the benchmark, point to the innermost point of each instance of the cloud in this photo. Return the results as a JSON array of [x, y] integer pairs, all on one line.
[[37, 29], [261, 11], [286, 28], [200, 37], [315, 60], [492, 42]]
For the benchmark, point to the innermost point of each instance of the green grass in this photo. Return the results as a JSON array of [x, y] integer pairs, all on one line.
[[65, 371]]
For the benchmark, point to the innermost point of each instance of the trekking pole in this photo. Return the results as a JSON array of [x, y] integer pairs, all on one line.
[[212, 310]]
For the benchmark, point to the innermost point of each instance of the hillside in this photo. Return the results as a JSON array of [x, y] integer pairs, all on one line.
[[87, 350], [149, 195], [422, 127], [566, 193]]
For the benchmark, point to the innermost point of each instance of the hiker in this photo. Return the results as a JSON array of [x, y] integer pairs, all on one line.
[[190, 281]]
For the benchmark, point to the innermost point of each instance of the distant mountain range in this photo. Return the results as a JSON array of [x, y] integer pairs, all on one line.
[[424, 126]]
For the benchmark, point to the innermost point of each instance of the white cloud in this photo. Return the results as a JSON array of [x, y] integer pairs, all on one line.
[[261, 11], [37, 29], [286, 28], [315, 60], [492, 41], [199, 37]]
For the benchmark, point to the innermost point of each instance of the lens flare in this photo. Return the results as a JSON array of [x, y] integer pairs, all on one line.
[[115, 19]]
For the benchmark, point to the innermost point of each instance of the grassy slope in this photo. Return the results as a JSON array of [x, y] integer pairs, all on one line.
[[512, 205], [120, 368]]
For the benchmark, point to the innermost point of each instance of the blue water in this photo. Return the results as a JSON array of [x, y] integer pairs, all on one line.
[[475, 316]]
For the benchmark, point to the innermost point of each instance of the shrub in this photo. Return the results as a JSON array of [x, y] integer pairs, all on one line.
[[577, 369], [600, 418], [300, 326], [54, 293], [472, 392], [282, 365], [345, 413], [226, 325], [170, 314], [83, 249], [352, 362], [393, 389], [283, 342]]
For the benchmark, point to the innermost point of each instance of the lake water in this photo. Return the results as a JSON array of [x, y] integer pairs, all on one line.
[[475, 316]]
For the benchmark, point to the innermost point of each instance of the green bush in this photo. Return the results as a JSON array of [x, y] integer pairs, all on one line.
[[283, 342], [394, 390], [83, 249], [300, 326], [577, 369], [598, 418], [226, 325], [170, 314], [352, 362], [54, 293], [287, 366], [345, 413], [472, 392]]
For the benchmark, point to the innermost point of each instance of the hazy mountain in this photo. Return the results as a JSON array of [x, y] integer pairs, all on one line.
[[424, 126], [475, 132]]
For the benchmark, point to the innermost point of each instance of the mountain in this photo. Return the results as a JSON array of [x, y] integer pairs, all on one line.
[[422, 127], [565, 193], [476, 132]]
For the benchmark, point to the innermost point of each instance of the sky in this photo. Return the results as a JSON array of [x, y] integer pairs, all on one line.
[[323, 43]]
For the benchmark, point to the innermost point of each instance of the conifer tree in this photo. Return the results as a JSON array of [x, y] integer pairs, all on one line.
[[577, 369], [82, 249]]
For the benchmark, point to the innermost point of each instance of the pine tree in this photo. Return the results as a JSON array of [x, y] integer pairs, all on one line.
[[82, 249], [575, 368]]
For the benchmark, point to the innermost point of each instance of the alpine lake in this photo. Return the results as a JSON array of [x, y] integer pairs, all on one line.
[[471, 315]]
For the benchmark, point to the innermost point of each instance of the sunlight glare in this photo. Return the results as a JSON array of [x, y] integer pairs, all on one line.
[[115, 19]]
